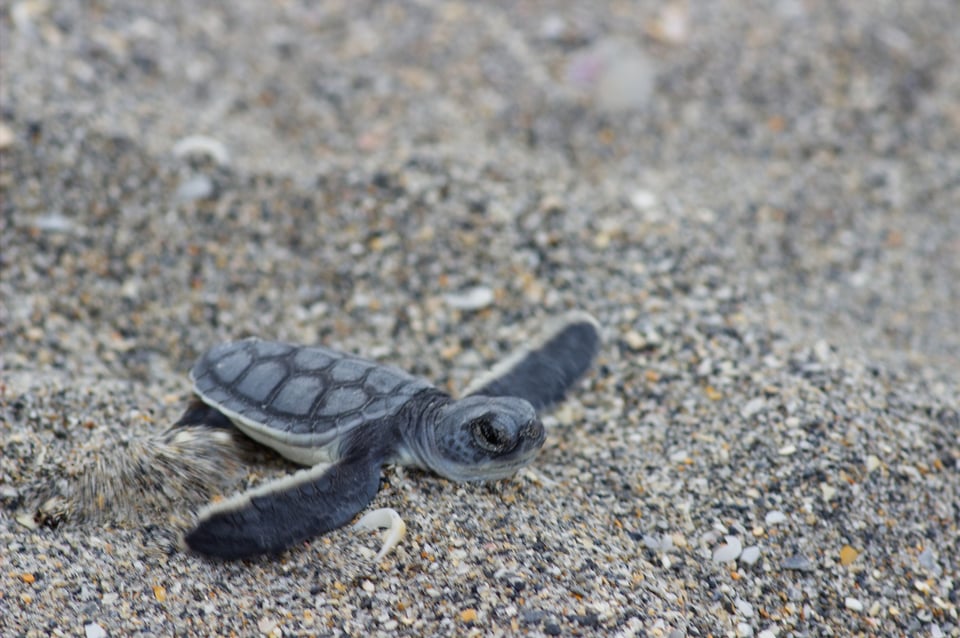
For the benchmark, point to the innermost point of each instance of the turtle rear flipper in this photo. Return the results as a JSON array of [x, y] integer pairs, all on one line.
[[544, 372], [199, 413], [272, 517]]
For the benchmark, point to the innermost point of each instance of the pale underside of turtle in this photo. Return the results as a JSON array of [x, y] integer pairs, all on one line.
[[345, 417]]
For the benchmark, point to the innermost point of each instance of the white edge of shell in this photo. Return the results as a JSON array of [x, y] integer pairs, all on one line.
[[282, 484]]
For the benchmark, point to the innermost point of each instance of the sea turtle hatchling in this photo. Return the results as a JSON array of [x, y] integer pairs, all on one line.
[[345, 417]]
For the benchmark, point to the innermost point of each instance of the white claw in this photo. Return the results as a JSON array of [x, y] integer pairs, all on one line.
[[388, 519]]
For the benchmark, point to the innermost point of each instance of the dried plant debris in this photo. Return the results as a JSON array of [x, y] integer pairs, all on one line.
[[137, 479]]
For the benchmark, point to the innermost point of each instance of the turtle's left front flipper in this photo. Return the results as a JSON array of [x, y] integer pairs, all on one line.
[[272, 517], [543, 372]]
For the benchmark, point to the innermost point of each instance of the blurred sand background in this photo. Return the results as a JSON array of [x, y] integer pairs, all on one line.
[[760, 201]]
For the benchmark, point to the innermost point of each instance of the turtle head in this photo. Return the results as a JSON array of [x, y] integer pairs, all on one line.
[[485, 438]]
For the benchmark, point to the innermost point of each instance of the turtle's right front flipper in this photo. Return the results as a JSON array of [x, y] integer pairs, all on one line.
[[270, 518]]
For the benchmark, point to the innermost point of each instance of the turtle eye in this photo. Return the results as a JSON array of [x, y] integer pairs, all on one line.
[[488, 436]]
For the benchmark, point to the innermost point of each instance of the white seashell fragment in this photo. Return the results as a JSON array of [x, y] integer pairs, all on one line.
[[750, 555], [388, 519], [774, 517], [202, 145], [728, 552], [853, 604], [745, 608], [94, 630], [474, 298], [753, 407], [642, 199], [27, 520], [54, 222]]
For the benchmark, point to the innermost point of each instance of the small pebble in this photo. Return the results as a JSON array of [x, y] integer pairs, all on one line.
[[744, 630], [774, 517], [744, 608], [27, 520], [729, 551], [651, 541], [23, 15], [552, 27], [753, 407], [910, 472], [750, 555], [6, 137], [822, 350], [267, 626], [616, 73], [672, 24], [787, 450], [54, 223], [474, 298], [634, 340], [927, 559], [847, 555], [853, 604], [643, 199], [799, 563], [93, 630], [195, 188], [827, 491]]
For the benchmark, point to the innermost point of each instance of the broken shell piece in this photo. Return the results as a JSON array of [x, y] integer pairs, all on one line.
[[202, 145], [536, 477], [388, 519]]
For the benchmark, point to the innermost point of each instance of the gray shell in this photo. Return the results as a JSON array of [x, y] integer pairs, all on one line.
[[299, 400]]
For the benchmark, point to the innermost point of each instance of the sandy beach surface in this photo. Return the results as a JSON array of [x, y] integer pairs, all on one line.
[[759, 201]]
